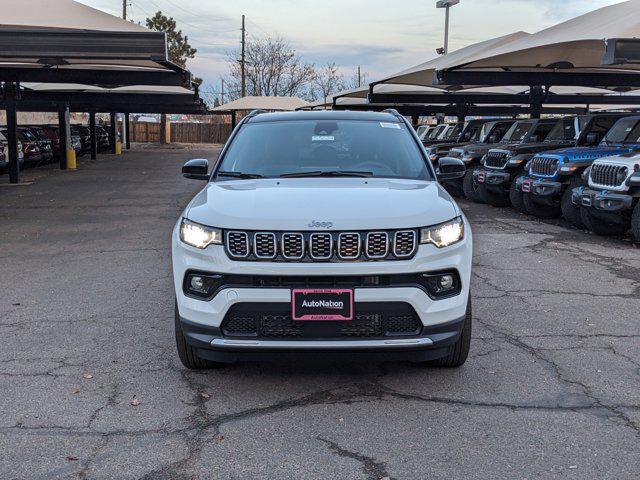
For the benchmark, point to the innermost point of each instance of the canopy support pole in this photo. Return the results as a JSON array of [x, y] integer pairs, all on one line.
[[127, 131], [65, 140], [11, 92], [113, 132], [536, 98], [233, 119], [163, 129], [92, 133]]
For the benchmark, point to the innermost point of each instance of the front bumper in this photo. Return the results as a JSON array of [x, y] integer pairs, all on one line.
[[492, 179], [433, 343], [441, 319], [604, 201]]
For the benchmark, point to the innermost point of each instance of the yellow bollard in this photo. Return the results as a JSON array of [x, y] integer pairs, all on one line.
[[71, 159], [118, 148]]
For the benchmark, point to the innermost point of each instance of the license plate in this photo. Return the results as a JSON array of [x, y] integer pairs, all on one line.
[[526, 186], [586, 201], [323, 304], [481, 177]]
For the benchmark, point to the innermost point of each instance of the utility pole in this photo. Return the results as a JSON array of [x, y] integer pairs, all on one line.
[[359, 77], [124, 9], [222, 92], [242, 69]]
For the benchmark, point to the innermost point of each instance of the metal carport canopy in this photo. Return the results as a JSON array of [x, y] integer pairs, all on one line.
[[600, 48], [67, 42]]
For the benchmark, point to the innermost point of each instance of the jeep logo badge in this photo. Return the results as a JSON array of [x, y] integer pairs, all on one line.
[[316, 224]]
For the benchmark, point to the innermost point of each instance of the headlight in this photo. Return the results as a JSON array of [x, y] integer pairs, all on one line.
[[622, 175], [433, 157], [198, 235], [444, 234], [516, 161]]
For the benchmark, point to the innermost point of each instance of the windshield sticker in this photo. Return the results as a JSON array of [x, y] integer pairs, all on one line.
[[323, 138], [390, 125]]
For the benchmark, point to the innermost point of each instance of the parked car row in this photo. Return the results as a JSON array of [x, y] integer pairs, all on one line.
[[40, 144], [585, 168]]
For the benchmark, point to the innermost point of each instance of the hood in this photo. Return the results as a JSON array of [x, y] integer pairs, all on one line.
[[533, 147], [585, 153], [345, 203]]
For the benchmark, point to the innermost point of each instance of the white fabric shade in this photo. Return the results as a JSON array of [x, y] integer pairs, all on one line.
[[263, 103]]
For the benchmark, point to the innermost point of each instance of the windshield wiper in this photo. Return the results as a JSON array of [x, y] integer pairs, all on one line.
[[331, 173], [239, 175]]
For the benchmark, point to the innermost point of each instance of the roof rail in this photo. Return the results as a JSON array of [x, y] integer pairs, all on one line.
[[393, 112]]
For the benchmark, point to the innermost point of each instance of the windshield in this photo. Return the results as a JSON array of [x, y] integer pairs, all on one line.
[[456, 131], [624, 131], [518, 132], [436, 131], [565, 129], [316, 147]]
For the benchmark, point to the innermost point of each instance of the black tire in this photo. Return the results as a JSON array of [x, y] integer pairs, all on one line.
[[635, 223], [492, 198], [471, 188], [571, 212], [459, 351], [517, 198], [601, 227], [454, 188], [187, 353], [540, 211]]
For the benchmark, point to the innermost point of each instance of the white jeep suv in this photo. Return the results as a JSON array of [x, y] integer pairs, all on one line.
[[610, 204], [318, 233]]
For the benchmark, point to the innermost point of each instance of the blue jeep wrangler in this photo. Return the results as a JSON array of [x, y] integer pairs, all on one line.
[[551, 176]]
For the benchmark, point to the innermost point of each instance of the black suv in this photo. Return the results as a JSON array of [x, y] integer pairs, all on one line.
[[501, 167]]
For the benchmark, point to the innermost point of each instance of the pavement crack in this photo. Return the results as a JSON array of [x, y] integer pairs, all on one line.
[[372, 468]]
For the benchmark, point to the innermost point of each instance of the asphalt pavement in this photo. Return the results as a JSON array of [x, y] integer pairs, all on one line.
[[91, 386]]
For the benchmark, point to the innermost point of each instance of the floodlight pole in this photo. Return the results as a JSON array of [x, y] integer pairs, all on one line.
[[447, 4], [446, 31]]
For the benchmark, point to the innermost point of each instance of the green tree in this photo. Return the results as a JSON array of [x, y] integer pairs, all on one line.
[[178, 45]]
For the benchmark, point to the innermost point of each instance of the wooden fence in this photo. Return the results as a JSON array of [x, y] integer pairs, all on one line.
[[182, 132]]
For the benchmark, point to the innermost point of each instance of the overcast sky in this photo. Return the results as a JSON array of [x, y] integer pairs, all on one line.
[[383, 36]]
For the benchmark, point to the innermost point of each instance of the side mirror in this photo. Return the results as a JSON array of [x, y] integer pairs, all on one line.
[[196, 169], [534, 139], [493, 139], [451, 168], [591, 140]]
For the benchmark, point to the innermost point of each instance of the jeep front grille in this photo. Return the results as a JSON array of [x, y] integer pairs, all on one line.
[[404, 243], [264, 245], [349, 246], [238, 244], [608, 175], [322, 246], [544, 166], [292, 246], [496, 159], [377, 245]]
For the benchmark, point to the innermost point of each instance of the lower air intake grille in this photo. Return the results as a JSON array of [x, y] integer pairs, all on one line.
[[273, 321]]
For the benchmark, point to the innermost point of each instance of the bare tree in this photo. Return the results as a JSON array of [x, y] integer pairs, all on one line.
[[272, 68], [328, 80]]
